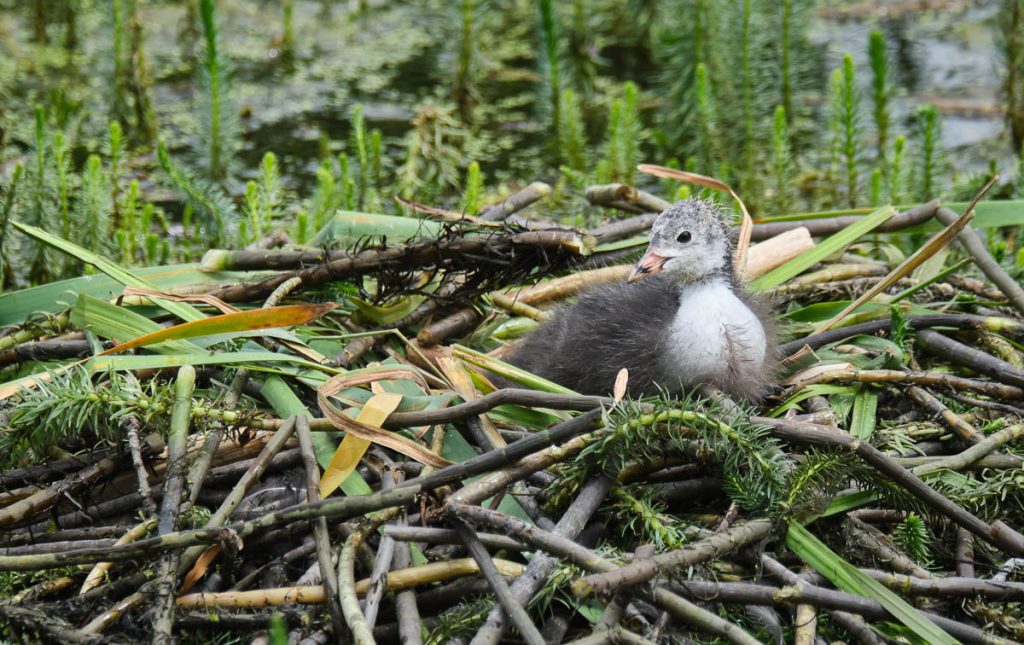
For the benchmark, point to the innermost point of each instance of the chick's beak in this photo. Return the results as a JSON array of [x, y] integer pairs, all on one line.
[[649, 264]]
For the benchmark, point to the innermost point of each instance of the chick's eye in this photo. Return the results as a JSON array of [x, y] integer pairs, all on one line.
[[683, 237]]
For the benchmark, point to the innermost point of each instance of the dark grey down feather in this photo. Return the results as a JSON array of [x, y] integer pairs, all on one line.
[[625, 325]]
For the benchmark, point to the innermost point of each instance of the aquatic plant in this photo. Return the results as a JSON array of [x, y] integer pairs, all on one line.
[[681, 49], [621, 147], [572, 136], [434, 154], [880, 94], [126, 235], [785, 56], [140, 81], [581, 62], [64, 178], [551, 58], [464, 91], [897, 170], [288, 37], [119, 97], [747, 98], [360, 145], [8, 195], [708, 142], [217, 214], [846, 119], [472, 192], [782, 162], [219, 121], [115, 151], [875, 195], [929, 163], [36, 255], [263, 199], [1011, 47], [91, 227]]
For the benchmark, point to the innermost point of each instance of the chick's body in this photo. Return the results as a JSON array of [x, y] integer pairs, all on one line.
[[685, 325]]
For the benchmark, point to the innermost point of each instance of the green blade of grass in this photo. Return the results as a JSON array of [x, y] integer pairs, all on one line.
[[828, 247], [865, 404], [852, 580], [510, 372], [180, 309], [280, 397], [107, 320]]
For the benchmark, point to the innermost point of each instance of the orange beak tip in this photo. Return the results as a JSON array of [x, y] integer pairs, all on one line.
[[648, 265]]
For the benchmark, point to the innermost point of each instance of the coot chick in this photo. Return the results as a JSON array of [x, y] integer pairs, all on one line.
[[681, 320]]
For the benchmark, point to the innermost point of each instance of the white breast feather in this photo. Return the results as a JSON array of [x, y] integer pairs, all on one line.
[[712, 331]]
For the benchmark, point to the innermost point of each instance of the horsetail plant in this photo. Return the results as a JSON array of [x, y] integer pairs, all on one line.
[[93, 207], [216, 212], [119, 106], [9, 196], [472, 193], [880, 94], [709, 146], [846, 115], [464, 92], [625, 131], [145, 115], [64, 177], [572, 136], [36, 254], [551, 57], [115, 150], [782, 161], [929, 158], [897, 170], [220, 126], [288, 38], [785, 57]]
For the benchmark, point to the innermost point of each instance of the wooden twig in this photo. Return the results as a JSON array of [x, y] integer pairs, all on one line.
[[985, 447], [515, 202], [45, 623], [361, 632], [132, 425], [516, 611], [828, 225], [321, 535], [163, 619], [975, 359], [959, 321], [24, 509], [573, 521], [507, 396], [710, 548], [917, 378], [973, 244], [406, 608], [403, 533], [952, 420], [381, 565], [458, 253]]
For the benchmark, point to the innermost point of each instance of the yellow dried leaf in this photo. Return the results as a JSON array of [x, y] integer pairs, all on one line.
[[353, 447]]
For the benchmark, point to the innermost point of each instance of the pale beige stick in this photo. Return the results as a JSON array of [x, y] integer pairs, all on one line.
[[398, 580], [776, 251]]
